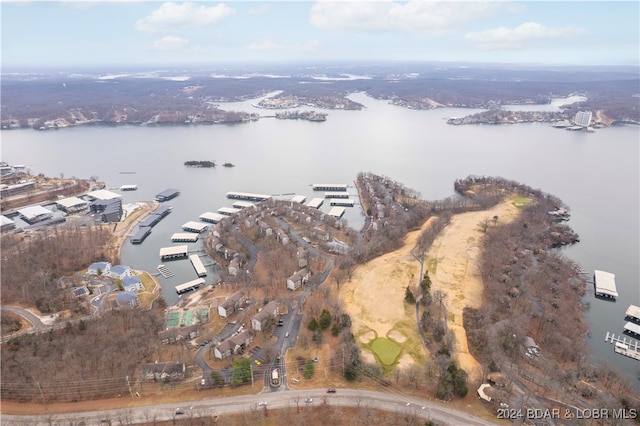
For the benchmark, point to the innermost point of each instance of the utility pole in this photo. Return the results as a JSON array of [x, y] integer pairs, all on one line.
[[41, 394], [251, 367]]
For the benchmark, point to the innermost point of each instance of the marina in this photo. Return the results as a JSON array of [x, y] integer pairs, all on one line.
[[191, 285], [605, 284], [184, 237], [174, 252], [629, 348], [342, 202], [167, 195], [247, 196], [192, 226], [315, 203], [212, 217], [342, 187], [298, 199], [197, 265], [633, 314]]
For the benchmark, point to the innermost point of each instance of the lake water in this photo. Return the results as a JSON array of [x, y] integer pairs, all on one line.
[[595, 174]]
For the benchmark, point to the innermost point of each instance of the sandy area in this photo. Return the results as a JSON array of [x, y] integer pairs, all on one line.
[[375, 296]]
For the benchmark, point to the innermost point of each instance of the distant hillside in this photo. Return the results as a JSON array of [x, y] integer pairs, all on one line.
[[65, 99]]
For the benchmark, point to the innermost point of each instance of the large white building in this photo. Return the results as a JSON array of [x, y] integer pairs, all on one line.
[[583, 118]]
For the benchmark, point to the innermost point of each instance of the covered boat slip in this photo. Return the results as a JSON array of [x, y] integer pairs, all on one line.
[[191, 285], [247, 196], [633, 314], [192, 226], [184, 237], [330, 187], [174, 252], [605, 284], [212, 217], [198, 265]]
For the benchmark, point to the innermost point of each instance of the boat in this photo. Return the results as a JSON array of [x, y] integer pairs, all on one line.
[[229, 165]]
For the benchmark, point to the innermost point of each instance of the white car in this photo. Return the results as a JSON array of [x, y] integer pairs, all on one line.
[[262, 404], [308, 400]]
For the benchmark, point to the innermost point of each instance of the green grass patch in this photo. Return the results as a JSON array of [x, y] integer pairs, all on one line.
[[519, 201], [386, 350], [147, 282], [432, 265]]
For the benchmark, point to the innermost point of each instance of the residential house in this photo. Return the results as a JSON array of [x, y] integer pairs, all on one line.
[[271, 309], [99, 268], [231, 304], [234, 266], [132, 283], [120, 272], [127, 299], [298, 279], [235, 344], [165, 371]]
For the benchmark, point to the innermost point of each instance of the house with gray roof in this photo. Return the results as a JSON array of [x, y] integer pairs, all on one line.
[[165, 371], [127, 299], [234, 345], [99, 268], [271, 309], [231, 304], [298, 279], [132, 283], [120, 272]]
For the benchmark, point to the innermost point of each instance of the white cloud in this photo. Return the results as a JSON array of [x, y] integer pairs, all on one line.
[[391, 16], [267, 44], [258, 10], [172, 16], [170, 43], [520, 36]]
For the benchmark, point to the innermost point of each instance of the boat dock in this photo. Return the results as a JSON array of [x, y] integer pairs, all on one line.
[[164, 271], [128, 187], [605, 284], [298, 199], [167, 194], [228, 211], [632, 329], [174, 252], [192, 226], [140, 235], [191, 285], [336, 212], [184, 237], [247, 196], [629, 348], [315, 203], [197, 265], [342, 194], [212, 217], [633, 314], [242, 204], [342, 202], [342, 187]]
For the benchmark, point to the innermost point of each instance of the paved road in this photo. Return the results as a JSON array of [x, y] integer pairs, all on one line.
[[413, 407]]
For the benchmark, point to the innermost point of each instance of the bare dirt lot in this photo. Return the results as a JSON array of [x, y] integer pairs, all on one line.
[[375, 296]]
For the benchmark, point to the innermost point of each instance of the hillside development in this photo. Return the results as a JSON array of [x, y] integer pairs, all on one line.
[[429, 299]]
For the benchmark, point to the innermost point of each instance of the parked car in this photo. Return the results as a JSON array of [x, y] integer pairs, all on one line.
[[179, 411], [286, 334], [262, 404], [331, 390], [308, 400]]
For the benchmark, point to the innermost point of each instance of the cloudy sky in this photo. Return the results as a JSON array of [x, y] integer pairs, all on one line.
[[113, 33]]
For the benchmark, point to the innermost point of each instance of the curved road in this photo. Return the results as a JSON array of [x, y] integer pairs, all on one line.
[[414, 407]]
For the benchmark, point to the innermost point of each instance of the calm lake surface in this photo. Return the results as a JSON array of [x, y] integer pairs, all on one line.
[[595, 174]]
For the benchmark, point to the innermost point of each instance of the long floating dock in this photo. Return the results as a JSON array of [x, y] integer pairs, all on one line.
[[167, 194], [629, 348], [344, 202], [164, 271], [140, 235], [174, 252], [330, 187], [184, 237], [212, 217], [248, 196]]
